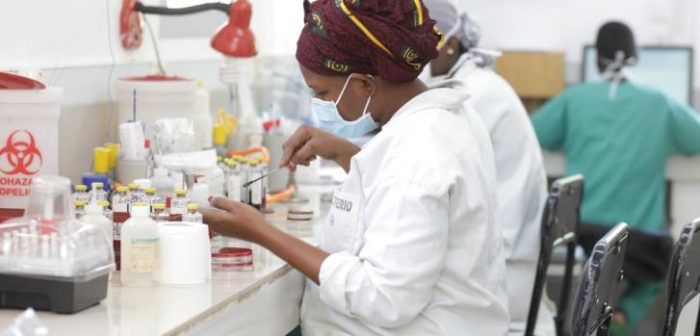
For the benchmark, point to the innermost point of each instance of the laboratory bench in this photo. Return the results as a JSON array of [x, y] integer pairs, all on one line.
[[683, 174], [264, 301]]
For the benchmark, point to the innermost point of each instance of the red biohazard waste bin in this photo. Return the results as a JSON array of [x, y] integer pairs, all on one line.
[[29, 113]]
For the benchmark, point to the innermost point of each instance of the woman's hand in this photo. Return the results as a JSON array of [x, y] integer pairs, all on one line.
[[308, 142], [234, 219]]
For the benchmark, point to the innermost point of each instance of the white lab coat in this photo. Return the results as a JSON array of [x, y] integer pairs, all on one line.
[[522, 182], [413, 234]]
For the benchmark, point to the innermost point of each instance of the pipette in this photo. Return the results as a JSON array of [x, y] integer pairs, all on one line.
[[247, 184]]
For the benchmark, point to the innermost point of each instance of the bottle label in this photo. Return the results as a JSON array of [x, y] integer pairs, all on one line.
[[121, 207], [117, 231], [256, 193], [144, 255]]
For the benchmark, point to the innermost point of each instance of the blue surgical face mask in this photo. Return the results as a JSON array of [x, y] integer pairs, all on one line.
[[329, 118]]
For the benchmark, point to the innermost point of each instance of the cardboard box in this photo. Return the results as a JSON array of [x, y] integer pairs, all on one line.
[[533, 75]]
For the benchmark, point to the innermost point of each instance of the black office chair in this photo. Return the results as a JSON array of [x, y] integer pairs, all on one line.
[[560, 223], [683, 276], [593, 306]]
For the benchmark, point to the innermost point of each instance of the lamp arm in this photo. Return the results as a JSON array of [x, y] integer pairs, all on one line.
[[140, 7]]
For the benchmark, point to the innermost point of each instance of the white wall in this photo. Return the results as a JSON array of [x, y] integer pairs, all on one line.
[[75, 45], [567, 25]]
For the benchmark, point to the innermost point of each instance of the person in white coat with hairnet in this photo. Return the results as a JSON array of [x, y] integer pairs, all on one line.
[[521, 177], [392, 257]]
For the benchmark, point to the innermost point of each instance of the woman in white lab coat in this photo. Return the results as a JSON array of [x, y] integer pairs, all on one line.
[[411, 244], [520, 170]]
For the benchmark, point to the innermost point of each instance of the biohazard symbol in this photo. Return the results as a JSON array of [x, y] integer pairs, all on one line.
[[20, 154]]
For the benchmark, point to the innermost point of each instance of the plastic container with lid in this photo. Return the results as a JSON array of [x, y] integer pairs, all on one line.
[[50, 261], [29, 115], [232, 259], [300, 222], [156, 97]]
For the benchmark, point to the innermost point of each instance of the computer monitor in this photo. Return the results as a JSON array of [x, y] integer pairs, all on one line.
[[669, 69]]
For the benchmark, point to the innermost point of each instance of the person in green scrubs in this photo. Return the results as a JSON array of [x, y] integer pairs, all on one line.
[[619, 135]]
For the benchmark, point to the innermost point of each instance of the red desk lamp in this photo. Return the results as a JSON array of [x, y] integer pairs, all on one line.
[[233, 39]]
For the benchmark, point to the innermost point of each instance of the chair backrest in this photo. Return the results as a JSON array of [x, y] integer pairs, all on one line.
[[593, 306], [683, 276], [560, 222]]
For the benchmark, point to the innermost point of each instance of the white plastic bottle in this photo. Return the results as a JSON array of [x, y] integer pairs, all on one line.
[[94, 214], [163, 183], [139, 248], [202, 120]]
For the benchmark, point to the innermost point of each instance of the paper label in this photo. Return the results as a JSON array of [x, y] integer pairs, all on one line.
[[143, 256]]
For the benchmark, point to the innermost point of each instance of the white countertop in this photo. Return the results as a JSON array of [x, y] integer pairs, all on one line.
[[263, 302], [678, 169], [162, 310]]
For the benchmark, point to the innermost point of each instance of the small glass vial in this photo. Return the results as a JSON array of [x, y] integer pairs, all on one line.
[[256, 187], [160, 214], [178, 207], [192, 214], [106, 211], [80, 209], [234, 181], [263, 183], [97, 193], [244, 168], [136, 194], [80, 193], [151, 197], [120, 200]]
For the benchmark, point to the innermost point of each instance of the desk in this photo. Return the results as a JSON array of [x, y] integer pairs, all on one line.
[[684, 174]]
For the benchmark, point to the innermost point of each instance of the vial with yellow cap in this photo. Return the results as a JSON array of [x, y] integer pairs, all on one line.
[[192, 215], [80, 193], [80, 209], [256, 187], [160, 213], [179, 204], [121, 200], [151, 197], [106, 211], [97, 193], [136, 194]]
